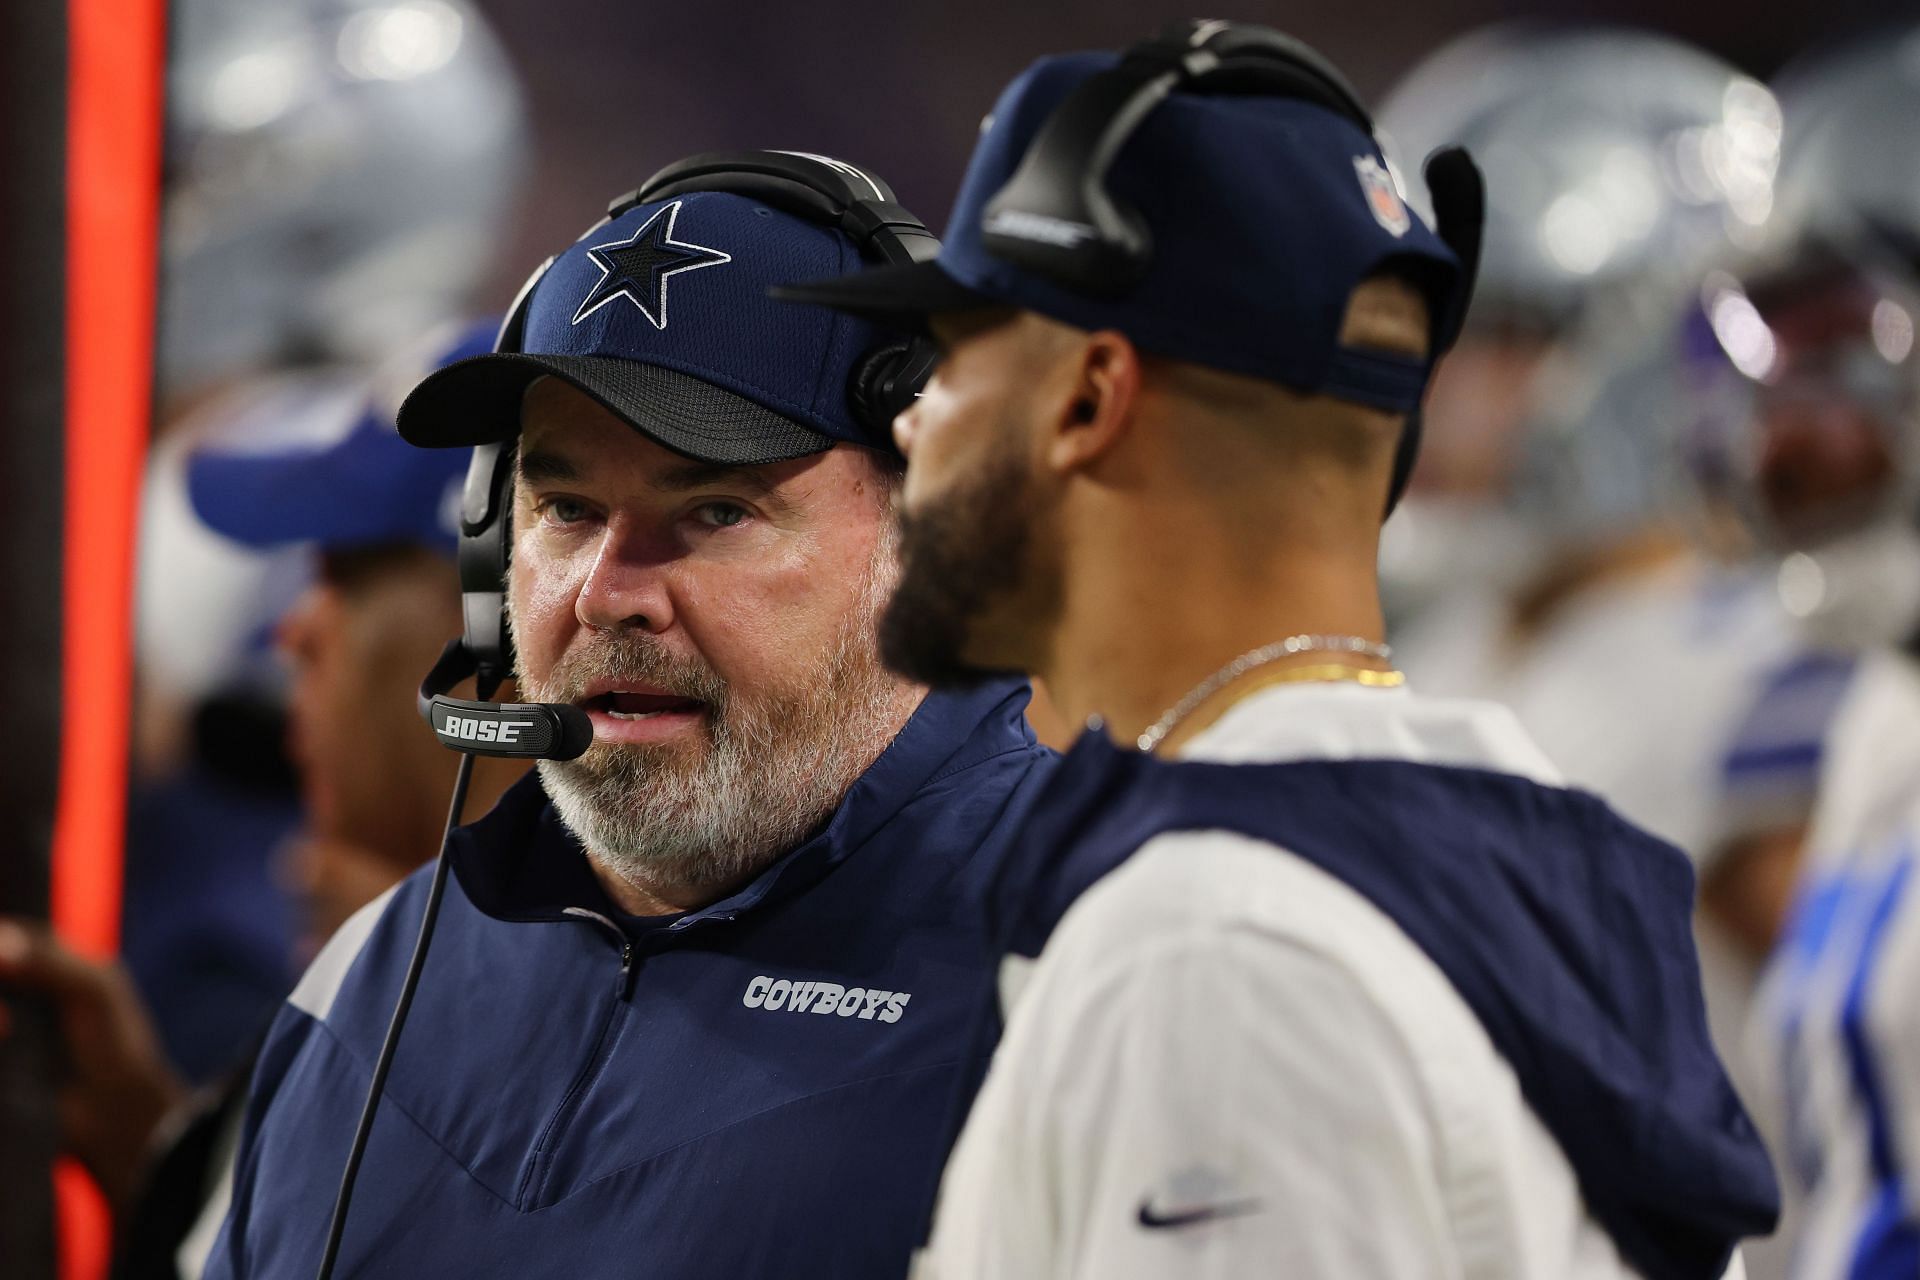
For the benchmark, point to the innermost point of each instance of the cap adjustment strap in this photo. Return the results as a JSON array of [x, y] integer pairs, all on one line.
[[1378, 379]]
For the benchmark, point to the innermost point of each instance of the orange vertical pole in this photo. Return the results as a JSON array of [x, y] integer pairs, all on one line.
[[116, 60]]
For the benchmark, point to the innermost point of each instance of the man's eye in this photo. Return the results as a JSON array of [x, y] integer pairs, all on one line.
[[564, 510], [721, 515]]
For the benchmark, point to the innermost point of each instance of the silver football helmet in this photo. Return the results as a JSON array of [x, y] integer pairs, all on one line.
[[338, 173], [1801, 354], [1616, 162], [1609, 154]]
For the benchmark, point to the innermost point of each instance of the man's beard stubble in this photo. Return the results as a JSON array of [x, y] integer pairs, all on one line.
[[769, 769], [973, 553]]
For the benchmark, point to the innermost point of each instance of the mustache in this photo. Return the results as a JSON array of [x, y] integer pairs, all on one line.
[[636, 657]]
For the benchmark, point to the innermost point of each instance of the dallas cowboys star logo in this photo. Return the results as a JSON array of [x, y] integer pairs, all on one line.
[[637, 268]]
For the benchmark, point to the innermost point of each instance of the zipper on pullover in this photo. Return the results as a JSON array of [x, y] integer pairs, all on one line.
[[624, 986], [532, 1193]]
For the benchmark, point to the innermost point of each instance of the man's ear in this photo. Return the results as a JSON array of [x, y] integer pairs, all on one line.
[[1105, 379]]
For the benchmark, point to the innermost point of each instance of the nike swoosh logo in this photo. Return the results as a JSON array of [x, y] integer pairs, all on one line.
[[1154, 1220]]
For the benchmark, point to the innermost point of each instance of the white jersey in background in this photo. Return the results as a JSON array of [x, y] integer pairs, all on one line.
[[1838, 1020], [1632, 687], [1228, 1063]]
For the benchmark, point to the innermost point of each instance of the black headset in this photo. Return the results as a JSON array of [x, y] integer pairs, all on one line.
[[816, 188], [1056, 217]]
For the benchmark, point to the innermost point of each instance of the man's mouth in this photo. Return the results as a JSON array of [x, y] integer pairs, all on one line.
[[626, 704], [638, 714]]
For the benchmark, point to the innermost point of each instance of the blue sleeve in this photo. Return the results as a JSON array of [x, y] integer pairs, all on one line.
[[292, 1031]]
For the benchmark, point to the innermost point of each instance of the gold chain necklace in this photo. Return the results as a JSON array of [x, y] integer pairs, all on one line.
[[1325, 672]]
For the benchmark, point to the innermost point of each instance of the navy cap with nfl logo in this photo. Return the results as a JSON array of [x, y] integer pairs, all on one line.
[[662, 314], [1260, 214]]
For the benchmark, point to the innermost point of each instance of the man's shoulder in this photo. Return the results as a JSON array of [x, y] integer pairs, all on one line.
[[375, 930], [320, 985], [1200, 891], [1241, 951]]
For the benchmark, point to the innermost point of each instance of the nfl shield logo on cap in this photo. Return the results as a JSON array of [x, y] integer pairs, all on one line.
[[1377, 185]]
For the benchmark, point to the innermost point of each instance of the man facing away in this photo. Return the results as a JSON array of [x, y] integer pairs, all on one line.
[[1355, 987], [696, 1002]]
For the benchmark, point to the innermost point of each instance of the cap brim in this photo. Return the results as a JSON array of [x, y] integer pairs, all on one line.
[[477, 401], [371, 488], [904, 295]]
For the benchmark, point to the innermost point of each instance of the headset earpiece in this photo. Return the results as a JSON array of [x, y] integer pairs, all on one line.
[[888, 380], [486, 532], [1055, 215], [1459, 206], [833, 193]]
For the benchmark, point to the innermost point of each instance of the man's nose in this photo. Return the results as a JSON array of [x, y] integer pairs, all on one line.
[[628, 585]]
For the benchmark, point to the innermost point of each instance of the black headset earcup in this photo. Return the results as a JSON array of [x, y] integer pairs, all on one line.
[[1055, 214], [886, 383], [1404, 459], [1460, 210], [486, 532], [1460, 216]]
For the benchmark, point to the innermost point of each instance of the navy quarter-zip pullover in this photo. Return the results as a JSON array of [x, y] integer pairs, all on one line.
[[764, 1087]]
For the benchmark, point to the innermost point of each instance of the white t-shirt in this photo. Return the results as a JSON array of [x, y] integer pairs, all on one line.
[[1227, 1063]]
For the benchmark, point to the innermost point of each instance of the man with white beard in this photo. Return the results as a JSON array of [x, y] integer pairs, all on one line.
[[698, 1000]]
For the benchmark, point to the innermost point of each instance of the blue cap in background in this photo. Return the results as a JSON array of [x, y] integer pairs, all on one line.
[[367, 487], [1265, 214], [662, 315]]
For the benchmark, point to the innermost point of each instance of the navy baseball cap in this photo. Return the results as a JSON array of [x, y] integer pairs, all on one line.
[[1265, 214], [364, 487], [662, 315]]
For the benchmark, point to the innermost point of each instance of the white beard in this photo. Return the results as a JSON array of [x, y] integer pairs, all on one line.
[[774, 767]]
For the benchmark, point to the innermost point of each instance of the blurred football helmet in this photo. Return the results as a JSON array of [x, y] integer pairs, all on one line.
[[337, 175], [1802, 360], [1608, 153], [1616, 162]]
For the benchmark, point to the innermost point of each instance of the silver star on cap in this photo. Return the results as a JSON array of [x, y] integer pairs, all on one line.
[[637, 268]]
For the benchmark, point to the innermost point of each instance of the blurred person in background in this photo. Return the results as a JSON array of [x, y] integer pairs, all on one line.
[[1767, 791], [380, 517], [337, 174], [1539, 558], [1550, 554], [382, 520], [1764, 802], [1804, 356]]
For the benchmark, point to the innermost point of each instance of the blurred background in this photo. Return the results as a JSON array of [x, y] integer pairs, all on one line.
[[1666, 508], [616, 90]]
